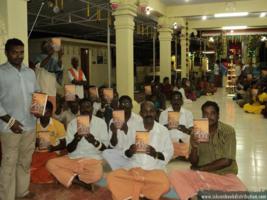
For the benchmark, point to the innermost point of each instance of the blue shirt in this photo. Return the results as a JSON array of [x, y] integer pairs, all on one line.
[[16, 88]]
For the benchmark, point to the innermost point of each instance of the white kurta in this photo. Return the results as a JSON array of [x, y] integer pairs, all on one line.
[[84, 149], [161, 141], [186, 119], [115, 157]]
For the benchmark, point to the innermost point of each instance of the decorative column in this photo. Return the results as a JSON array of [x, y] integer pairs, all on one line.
[[165, 38], [13, 24], [183, 53], [124, 26]]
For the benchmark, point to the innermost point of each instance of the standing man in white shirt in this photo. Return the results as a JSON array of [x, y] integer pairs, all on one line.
[[17, 124], [180, 135], [83, 164], [77, 77], [144, 177], [120, 139]]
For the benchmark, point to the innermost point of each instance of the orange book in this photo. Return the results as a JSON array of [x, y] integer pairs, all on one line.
[[83, 124], [118, 118], [108, 94], [201, 129], [173, 119], [38, 105], [148, 90], [141, 141], [70, 92], [56, 44], [44, 140], [93, 91]]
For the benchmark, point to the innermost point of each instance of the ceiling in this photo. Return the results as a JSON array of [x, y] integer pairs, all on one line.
[[73, 20], [186, 2]]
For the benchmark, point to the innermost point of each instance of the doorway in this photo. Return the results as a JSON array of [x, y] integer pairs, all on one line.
[[85, 62]]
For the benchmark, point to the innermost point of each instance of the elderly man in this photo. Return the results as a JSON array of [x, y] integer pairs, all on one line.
[[83, 164], [144, 177], [17, 124], [214, 164]]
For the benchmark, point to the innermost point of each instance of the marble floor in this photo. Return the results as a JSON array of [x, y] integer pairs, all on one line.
[[251, 135]]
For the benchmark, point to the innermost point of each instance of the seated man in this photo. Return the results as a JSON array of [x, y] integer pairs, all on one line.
[[50, 138], [181, 134], [83, 164], [214, 164], [144, 175], [122, 138]]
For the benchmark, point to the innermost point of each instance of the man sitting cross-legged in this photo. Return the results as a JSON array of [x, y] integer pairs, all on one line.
[[83, 164], [214, 164], [121, 138], [50, 138], [180, 133], [144, 177]]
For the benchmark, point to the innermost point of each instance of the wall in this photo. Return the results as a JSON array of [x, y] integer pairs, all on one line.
[[98, 73]]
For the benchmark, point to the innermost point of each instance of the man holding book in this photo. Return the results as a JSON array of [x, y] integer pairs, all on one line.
[[121, 133], [48, 68], [50, 140], [213, 162], [17, 124], [180, 123], [144, 176], [86, 138]]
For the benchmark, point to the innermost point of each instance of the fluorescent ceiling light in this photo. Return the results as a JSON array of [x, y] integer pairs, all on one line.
[[204, 17], [234, 14], [208, 52], [233, 27], [263, 14]]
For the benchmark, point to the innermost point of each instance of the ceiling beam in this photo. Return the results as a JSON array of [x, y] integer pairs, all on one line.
[[218, 23], [212, 8]]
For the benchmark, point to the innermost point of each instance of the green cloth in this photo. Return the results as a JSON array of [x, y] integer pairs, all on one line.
[[222, 145]]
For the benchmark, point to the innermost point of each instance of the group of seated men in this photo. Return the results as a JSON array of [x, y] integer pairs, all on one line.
[[137, 174]]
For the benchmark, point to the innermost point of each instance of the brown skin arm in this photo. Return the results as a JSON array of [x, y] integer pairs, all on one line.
[[60, 146], [114, 138], [16, 128], [193, 157], [215, 165], [91, 139], [73, 145]]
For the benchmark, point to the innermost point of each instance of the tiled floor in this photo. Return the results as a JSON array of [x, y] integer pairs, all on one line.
[[251, 134]]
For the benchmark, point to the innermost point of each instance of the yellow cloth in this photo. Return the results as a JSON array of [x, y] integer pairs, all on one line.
[[54, 128], [255, 108], [263, 97]]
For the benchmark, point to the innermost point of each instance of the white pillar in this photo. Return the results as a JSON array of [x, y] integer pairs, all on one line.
[[124, 25], [165, 38], [13, 24]]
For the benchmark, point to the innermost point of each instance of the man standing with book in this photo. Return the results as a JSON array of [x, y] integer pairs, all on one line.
[[17, 124], [144, 176], [179, 128], [214, 164]]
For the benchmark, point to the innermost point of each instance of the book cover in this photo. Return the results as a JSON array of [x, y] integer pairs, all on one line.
[[173, 119], [83, 124], [148, 90], [201, 129], [93, 92], [141, 141], [44, 140], [56, 44], [70, 92], [118, 118], [38, 105], [108, 94]]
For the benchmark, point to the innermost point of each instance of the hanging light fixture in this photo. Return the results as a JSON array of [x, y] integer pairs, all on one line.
[[88, 10], [56, 8]]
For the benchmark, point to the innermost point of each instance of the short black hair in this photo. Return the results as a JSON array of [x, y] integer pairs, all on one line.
[[176, 93], [49, 106], [82, 101], [126, 98], [210, 103], [12, 43]]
